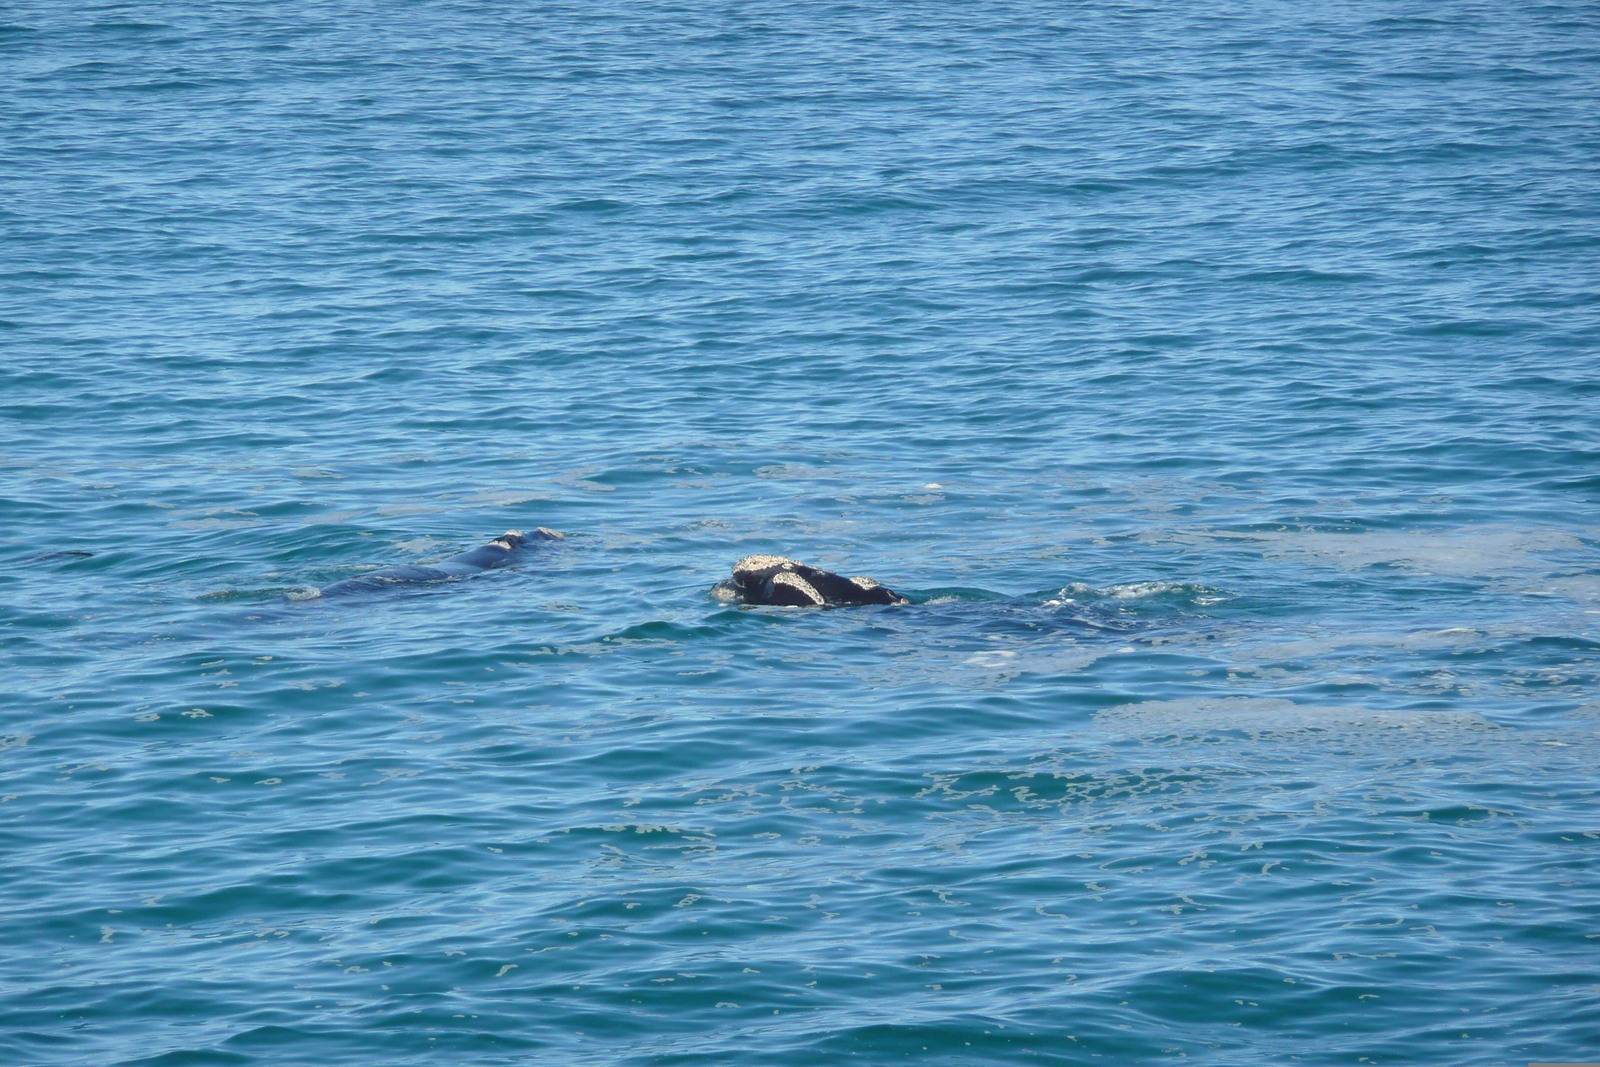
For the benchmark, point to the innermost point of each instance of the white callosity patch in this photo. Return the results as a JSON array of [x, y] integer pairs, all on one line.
[[799, 584], [752, 565], [511, 539], [863, 582]]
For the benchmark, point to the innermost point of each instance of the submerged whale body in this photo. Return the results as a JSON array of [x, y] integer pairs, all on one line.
[[496, 553], [780, 581]]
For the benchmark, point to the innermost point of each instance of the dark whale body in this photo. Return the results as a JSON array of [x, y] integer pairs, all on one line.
[[496, 553], [784, 582]]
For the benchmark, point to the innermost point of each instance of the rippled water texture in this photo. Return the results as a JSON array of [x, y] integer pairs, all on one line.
[[1218, 380]]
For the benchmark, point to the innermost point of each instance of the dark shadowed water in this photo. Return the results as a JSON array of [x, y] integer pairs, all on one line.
[[1222, 382]]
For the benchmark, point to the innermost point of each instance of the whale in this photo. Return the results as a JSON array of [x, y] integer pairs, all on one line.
[[497, 553], [783, 582]]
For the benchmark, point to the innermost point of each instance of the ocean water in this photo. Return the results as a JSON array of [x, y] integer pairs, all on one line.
[[1220, 381]]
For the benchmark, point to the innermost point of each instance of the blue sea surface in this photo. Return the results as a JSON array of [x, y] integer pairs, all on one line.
[[1220, 381]]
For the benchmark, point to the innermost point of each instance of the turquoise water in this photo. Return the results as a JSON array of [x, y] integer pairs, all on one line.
[[1221, 382]]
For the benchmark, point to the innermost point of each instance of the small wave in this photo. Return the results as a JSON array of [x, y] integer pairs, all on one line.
[[664, 630]]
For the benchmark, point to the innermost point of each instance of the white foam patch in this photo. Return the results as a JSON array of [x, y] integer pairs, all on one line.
[[993, 666], [1415, 641], [418, 546], [505, 498], [1467, 552], [389, 510], [793, 471], [1270, 715], [1582, 588], [1129, 591]]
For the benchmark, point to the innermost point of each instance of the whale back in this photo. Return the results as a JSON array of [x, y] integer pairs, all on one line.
[[486, 557]]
